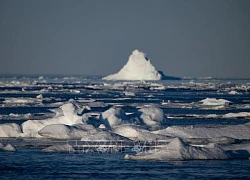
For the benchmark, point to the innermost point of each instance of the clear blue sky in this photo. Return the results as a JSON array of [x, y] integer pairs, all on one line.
[[90, 37]]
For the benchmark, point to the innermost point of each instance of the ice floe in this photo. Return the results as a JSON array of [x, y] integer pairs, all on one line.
[[241, 131], [137, 133], [7, 147], [237, 115], [113, 117], [61, 131], [214, 102], [178, 150], [60, 148], [67, 115], [84, 132], [10, 130], [22, 100], [152, 116]]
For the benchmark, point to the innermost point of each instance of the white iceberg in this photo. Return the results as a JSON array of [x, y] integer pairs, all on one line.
[[178, 150], [138, 67]]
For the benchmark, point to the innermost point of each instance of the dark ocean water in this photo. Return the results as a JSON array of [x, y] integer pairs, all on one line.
[[35, 164]]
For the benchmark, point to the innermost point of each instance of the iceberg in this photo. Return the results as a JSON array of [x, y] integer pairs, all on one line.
[[138, 67]]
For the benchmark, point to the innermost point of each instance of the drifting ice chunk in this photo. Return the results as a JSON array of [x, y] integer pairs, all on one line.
[[138, 67], [214, 102], [8, 147], [178, 150], [233, 92], [60, 148], [40, 96]]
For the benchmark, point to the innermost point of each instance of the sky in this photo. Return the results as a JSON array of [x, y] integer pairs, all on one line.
[[184, 38]]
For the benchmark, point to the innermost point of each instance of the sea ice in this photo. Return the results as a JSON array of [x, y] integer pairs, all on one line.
[[113, 117], [233, 92], [214, 102], [237, 115], [241, 131], [138, 133], [10, 130], [61, 131], [67, 114], [178, 150], [60, 148], [152, 116], [7, 147]]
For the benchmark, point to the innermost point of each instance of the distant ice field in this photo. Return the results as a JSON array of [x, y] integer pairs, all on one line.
[[193, 120], [178, 99]]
